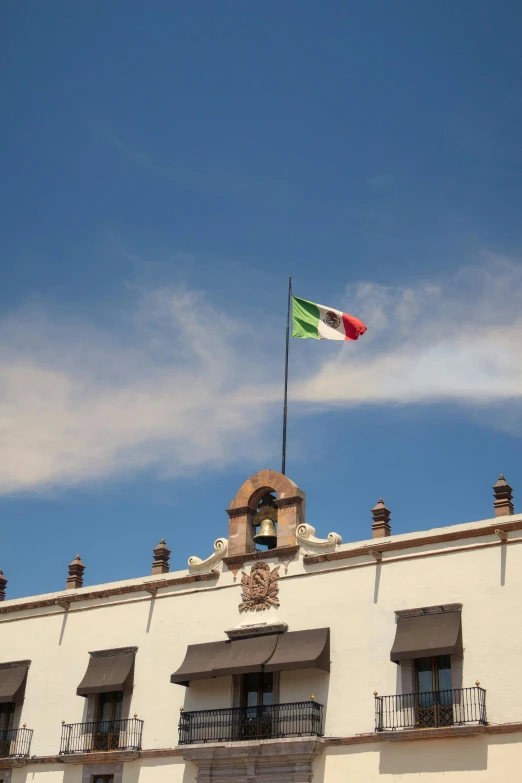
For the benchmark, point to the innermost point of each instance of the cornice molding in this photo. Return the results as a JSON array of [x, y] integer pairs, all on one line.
[[282, 553], [107, 592], [389, 544]]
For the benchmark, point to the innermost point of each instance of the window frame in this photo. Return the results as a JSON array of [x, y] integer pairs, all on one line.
[[107, 778]]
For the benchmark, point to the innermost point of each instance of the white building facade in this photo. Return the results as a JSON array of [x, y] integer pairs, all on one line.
[[395, 658]]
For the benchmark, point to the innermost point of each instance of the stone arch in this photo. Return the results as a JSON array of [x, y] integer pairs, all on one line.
[[265, 481], [291, 510]]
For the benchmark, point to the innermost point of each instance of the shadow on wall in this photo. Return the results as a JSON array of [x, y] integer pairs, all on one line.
[[190, 772], [49, 773], [319, 766], [152, 770], [402, 758]]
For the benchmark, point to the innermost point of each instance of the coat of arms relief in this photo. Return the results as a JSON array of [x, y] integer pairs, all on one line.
[[260, 589]]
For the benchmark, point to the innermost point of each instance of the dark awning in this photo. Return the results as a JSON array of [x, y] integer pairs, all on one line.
[[108, 671], [247, 655], [274, 652], [301, 650], [12, 682], [199, 662], [423, 635], [216, 659]]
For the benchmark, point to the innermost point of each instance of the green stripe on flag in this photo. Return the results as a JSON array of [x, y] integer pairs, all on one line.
[[305, 318]]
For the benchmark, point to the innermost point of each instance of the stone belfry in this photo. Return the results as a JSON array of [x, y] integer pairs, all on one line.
[[289, 501]]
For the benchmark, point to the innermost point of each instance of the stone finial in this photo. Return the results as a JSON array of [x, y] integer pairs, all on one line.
[[381, 520], [160, 564], [3, 582], [503, 498], [75, 578]]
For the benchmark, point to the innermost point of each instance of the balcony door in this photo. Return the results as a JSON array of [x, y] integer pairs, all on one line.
[[434, 703], [257, 696], [6, 723], [107, 731]]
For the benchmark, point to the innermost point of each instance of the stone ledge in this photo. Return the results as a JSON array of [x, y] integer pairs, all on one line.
[[410, 735], [289, 746], [256, 629], [110, 591], [281, 552], [277, 747], [388, 544], [10, 763], [159, 753], [103, 757], [262, 761]]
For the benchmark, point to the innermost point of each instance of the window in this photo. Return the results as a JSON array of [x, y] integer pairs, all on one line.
[[6, 715], [258, 689], [108, 725], [6, 722], [257, 694], [433, 686], [109, 706], [102, 779], [433, 674]]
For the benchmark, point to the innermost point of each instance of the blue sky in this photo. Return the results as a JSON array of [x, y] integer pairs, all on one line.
[[165, 167]]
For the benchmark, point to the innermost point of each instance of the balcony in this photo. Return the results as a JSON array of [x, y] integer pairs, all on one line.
[[432, 709], [101, 736], [237, 724], [15, 743]]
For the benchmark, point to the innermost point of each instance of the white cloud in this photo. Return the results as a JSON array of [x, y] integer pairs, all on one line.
[[457, 340], [78, 404], [180, 385]]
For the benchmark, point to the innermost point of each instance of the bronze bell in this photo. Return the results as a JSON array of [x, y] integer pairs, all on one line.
[[267, 534]]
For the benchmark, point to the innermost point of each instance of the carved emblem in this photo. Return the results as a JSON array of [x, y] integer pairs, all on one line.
[[332, 319], [260, 589]]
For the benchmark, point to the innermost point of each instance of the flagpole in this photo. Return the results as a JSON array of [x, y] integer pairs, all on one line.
[[285, 409]]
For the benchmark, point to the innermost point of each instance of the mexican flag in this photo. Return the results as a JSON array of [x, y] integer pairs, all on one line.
[[323, 323]]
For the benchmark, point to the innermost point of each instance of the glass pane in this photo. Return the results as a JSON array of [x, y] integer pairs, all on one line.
[[117, 709], [105, 707], [6, 715], [424, 674], [109, 707], [251, 686], [444, 677], [268, 688]]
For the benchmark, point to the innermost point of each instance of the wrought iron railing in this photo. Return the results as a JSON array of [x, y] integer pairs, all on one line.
[[302, 718], [15, 743], [101, 735], [430, 709]]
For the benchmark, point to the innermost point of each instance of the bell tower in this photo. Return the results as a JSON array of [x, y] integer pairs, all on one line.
[[270, 502]]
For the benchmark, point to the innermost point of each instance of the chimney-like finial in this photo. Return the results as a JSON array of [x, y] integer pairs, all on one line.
[[160, 564], [503, 502], [3, 582], [381, 520], [75, 578]]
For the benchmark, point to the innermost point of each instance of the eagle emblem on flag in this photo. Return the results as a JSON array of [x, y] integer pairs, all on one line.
[[332, 319]]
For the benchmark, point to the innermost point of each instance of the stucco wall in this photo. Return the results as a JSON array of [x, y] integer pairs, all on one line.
[[470, 760], [357, 604], [484, 759]]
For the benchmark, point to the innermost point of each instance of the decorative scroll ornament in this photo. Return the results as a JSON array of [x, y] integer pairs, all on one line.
[[260, 589], [199, 566], [306, 538]]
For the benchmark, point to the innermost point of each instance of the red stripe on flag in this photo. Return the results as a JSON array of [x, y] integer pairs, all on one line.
[[352, 327]]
